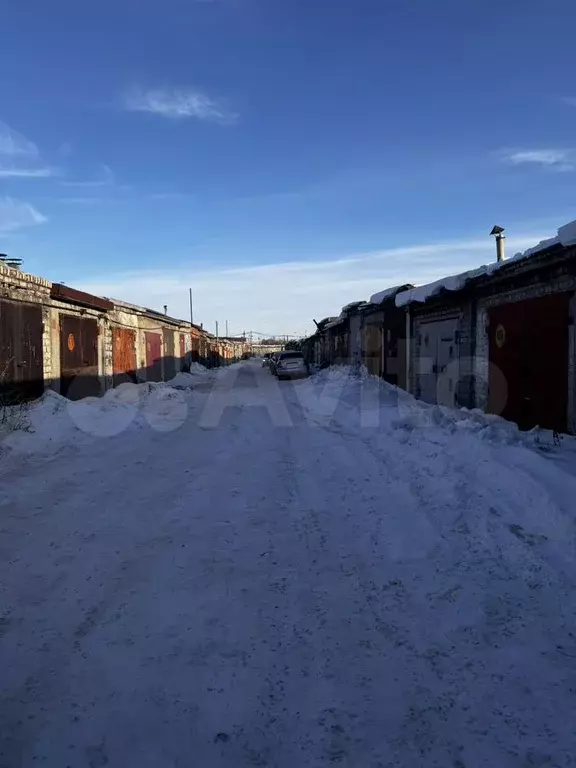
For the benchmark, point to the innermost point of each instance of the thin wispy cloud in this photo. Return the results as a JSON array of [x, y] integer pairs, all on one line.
[[310, 289], [178, 103], [16, 214], [26, 173], [104, 179], [569, 100], [13, 143], [552, 158], [20, 157]]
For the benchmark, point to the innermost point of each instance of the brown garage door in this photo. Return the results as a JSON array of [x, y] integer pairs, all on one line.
[[79, 357], [21, 359], [124, 355], [528, 378], [373, 348], [153, 356], [169, 359]]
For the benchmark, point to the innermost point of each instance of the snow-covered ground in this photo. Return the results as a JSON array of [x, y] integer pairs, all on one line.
[[239, 572]]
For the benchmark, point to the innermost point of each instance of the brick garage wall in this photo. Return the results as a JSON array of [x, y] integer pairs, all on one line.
[[20, 286], [535, 285], [448, 308]]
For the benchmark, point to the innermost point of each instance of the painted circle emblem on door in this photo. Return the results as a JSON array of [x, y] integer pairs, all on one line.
[[71, 342], [500, 336]]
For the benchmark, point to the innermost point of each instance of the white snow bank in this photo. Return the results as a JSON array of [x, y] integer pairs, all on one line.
[[197, 368], [54, 420], [374, 402], [486, 426]]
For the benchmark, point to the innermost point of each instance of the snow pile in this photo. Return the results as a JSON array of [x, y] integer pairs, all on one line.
[[356, 397], [541, 246], [486, 426], [198, 369], [567, 233], [54, 420], [388, 293]]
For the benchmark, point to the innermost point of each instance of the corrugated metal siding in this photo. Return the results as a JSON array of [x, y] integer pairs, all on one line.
[[528, 375], [78, 357], [21, 357], [124, 355]]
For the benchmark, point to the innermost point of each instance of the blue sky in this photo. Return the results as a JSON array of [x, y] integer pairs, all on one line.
[[282, 157]]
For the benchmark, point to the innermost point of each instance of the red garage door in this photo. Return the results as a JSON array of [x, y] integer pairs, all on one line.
[[153, 356], [528, 379]]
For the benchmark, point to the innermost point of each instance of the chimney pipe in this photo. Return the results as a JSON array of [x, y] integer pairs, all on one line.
[[500, 247], [500, 237], [165, 309]]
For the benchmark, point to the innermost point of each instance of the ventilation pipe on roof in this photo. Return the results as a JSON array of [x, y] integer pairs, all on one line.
[[497, 232], [165, 309]]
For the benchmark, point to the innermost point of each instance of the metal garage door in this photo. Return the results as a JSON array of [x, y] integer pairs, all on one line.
[[437, 370], [153, 356], [124, 355], [78, 357], [21, 358], [169, 359], [528, 378]]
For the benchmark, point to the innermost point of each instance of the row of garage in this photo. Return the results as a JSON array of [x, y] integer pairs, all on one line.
[[80, 345], [500, 338]]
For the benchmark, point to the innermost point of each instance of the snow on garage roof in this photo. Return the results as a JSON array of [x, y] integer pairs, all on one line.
[[388, 293], [566, 236]]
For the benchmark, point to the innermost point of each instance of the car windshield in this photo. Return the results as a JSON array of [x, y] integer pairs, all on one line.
[[291, 356]]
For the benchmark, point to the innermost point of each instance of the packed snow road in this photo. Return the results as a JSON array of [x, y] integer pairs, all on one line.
[[310, 573]]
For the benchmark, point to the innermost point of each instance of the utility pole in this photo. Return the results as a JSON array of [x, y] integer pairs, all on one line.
[[216, 330], [191, 309]]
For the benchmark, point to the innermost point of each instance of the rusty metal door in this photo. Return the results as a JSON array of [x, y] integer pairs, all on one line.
[[195, 348], [169, 359], [21, 356], [78, 357], [373, 348], [355, 340], [528, 373], [124, 355], [153, 356]]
